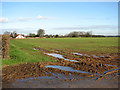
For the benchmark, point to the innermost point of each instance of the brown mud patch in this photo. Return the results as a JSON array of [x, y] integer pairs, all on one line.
[[64, 69], [31, 70], [32, 74], [38, 69], [88, 57]]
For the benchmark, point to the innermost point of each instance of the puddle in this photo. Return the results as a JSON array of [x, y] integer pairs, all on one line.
[[59, 56], [111, 70], [118, 73], [56, 55], [81, 54], [92, 55], [95, 56], [107, 72], [65, 68], [37, 49], [102, 56], [55, 76], [56, 51], [32, 78], [86, 55], [105, 56], [78, 54], [111, 65]]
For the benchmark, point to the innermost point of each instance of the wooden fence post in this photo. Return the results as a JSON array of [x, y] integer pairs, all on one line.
[[5, 46]]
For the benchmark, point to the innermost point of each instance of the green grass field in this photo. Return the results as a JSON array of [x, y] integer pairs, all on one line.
[[21, 50]]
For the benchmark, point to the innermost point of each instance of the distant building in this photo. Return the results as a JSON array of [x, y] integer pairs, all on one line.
[[20, 36]]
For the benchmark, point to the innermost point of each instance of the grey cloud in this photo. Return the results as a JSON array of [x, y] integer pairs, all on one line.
[[88, 27]]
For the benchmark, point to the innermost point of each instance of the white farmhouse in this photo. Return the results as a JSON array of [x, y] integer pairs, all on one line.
[[20, 36]]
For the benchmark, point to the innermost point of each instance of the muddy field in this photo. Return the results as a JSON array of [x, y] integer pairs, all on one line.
[[72, 70]]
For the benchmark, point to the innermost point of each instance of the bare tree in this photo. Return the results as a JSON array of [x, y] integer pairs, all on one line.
[[14, 34], [11, 34], [89, 34], [40, 32], [6, 33], [80, 34], [73, 34]]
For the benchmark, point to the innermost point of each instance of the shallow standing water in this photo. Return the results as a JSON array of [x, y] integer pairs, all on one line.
[[59, 82], [65, 68], [60, 56]]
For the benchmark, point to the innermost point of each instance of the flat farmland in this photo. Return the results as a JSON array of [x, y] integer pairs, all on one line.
[[22, 49], [62, 62]]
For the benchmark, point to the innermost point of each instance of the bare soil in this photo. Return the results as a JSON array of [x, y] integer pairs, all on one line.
[[102, 72]]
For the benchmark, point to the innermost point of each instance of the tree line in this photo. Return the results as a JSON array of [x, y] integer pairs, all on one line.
[[41, 33]]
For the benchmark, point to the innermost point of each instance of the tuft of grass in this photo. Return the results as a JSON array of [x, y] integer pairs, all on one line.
[[20, 54]]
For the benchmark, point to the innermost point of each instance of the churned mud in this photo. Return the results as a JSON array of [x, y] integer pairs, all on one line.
[[73, 69]]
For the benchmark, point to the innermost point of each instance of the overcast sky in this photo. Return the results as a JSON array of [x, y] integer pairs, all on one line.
[[60, 17]]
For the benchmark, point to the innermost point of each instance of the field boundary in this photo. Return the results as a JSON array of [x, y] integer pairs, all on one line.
[[1, 61]]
